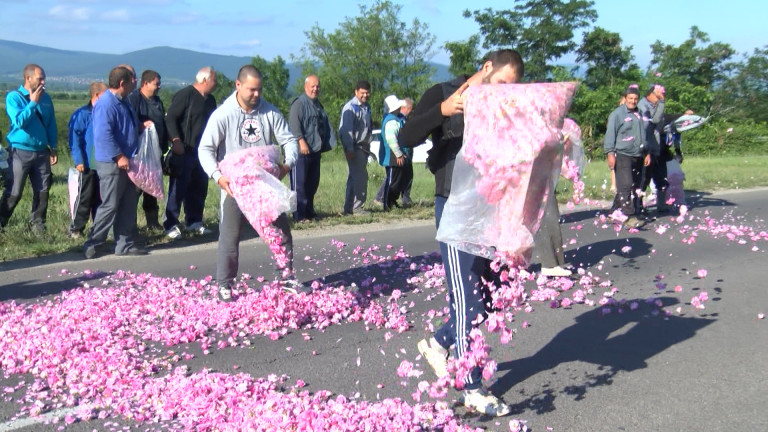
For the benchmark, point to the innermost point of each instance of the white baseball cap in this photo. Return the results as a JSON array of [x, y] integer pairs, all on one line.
[[391, 103]]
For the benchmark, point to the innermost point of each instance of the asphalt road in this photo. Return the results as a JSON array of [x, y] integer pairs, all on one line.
[[582, 368]]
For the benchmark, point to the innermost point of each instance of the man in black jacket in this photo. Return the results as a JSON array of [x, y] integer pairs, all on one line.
[[440, 113], [186, 120], [148, 106]]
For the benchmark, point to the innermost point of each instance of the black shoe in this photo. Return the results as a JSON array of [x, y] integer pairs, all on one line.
[[133, 251]]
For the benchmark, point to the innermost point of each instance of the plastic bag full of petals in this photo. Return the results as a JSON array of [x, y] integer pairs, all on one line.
[[253, 180], [501, 177], [146, 168]]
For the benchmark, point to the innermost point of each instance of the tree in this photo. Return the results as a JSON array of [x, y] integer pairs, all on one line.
[[746, 91], [542, 31], [465, 56], [375, 46], [224, 87], [703, 66], [608, 63], [274, 82]]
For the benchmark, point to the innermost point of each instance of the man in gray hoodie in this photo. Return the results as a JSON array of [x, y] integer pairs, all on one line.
[[244, 120]]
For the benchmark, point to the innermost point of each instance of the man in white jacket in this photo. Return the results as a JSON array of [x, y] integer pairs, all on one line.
[[244, 120]]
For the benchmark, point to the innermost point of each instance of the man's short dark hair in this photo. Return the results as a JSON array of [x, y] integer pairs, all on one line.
[[117, 75], [362, 84], [248, 70], [29, 70], [505, 57], [148, 76]]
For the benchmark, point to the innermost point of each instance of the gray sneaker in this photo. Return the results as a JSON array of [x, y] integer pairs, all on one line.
[[198, 228], [225, 293]]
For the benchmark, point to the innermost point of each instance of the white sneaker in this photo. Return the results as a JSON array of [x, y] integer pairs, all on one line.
[[482, 401], [173, 233], [555, 271], [435, 355], [198, 228], [225, 294]]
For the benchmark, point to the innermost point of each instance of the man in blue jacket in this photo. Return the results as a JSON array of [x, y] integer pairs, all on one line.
[[81, 148], [115, 142], [32, 141]]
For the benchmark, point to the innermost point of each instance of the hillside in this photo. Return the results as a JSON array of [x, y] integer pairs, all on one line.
[[176, 65]]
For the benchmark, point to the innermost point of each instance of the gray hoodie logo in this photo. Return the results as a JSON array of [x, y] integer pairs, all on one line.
[[250, 130]]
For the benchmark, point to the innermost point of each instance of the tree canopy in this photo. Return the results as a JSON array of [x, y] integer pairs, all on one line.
[[376, 46]]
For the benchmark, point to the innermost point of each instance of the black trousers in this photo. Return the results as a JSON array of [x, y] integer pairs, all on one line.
[[629, 171], [88, 200]]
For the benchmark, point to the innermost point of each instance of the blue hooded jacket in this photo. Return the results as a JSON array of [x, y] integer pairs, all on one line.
[[33, 124], [81, 135]]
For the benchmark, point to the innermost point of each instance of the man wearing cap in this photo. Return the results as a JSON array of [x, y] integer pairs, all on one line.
[[355, 132], [395, 159], [651, 108], [626, 154]]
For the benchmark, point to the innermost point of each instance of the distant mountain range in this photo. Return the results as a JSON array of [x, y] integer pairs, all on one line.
[[176, 66]]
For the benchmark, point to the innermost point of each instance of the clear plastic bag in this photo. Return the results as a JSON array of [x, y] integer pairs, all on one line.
[[146, 168], [675, 178], [259, 194], [73, 185], [501, 177]]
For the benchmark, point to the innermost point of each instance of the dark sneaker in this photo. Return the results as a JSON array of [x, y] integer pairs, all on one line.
[[89, 251], [133, 251]]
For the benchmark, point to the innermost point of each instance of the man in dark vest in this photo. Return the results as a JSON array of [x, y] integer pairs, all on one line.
[[148, 106]]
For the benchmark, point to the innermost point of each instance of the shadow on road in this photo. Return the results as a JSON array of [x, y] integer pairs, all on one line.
[[394, 273], [593, 253], [697, 199], [639, 335], [32, 289]]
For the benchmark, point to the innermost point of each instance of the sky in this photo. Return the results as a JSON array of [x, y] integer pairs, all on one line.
[[271, 28]]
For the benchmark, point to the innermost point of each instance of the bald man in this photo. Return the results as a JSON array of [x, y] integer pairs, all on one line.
[[309, 123]]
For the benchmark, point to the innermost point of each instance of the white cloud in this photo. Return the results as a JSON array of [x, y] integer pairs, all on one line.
[[186, 18], [115, 15], [250, 43], [65, 13]]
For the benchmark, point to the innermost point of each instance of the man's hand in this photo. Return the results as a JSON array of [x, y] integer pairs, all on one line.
[[37, 94], [350, 154], [80, 168], [455, 103], [303, 147], [611, 159], [177, 147], [54, 158], [284, 170], [122, 162], [146, 124], [400, 161], [224, 184], [647, 160]]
